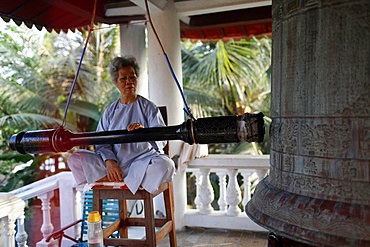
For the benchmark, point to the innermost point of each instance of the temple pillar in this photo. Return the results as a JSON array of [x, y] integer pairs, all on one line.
[[318, 189], [133, 43], [163, 89]]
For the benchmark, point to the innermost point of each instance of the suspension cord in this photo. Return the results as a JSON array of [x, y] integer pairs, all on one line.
[[79, 65], [186, 108]]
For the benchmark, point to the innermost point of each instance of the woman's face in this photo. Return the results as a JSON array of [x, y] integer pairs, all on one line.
[[126, 81]]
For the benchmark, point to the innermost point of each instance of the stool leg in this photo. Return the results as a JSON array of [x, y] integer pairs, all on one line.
[[149, 219], [123, 230], [97, 203], [169, 204]]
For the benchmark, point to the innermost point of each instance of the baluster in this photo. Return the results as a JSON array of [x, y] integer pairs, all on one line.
[[3, 230], [21, 237], [11, 208], [222, 184], [206, 194], [233, 194], [47, 227], [11, 230], [198, 180], [247, 187], [261, 174]]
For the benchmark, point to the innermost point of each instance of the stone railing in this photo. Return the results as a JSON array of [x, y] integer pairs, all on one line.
[[11, 211], [229, 215], [69, 201]]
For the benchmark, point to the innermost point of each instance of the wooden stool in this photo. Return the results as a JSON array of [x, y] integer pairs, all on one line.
[[153, 237]]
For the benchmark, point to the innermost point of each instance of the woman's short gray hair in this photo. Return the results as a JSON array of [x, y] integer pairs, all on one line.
[[121, 62]]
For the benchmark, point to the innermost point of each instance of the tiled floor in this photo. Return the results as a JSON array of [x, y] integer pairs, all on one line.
[[190, 237], [199, 237]]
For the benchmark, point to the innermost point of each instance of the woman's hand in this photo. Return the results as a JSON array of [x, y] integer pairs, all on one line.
[[114, 172], [134, 126]]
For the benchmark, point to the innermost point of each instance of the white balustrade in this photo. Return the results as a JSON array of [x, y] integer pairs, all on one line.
[[228, 215], [11, 209], [226, 167], [44, 190]]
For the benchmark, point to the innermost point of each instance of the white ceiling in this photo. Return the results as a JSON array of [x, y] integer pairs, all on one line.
[[186, 8]]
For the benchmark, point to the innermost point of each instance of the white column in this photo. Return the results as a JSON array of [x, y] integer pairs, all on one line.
[[163, 89], [133, 43]]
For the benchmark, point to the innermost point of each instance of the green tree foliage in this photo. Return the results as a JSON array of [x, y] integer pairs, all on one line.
[[228, 78], [38, 68], [36, 75]]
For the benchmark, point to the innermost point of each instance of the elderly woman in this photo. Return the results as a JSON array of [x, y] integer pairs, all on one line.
[[139, 165]]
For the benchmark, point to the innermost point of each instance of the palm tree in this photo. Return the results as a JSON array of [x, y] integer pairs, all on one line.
[[37, 73], [36, 78], [227, 79]]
